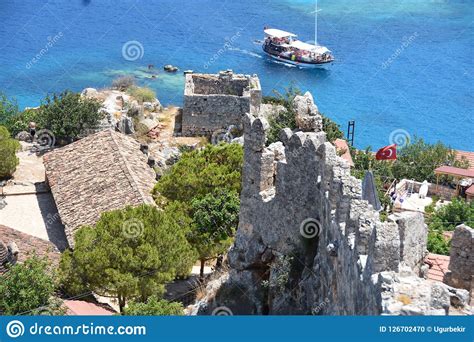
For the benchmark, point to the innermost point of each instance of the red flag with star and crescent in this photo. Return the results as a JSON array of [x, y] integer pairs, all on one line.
[[387, 153]]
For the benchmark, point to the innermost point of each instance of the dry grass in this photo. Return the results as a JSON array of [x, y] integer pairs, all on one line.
[[404, 299]]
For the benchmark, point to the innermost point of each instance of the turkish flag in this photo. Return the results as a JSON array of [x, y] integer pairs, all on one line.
[[387, 153]]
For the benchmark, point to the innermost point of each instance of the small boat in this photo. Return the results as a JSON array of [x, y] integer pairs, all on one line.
[[285, 47]]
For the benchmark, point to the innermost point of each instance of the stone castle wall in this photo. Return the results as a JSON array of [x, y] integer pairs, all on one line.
[[215, 102], [308, 244]]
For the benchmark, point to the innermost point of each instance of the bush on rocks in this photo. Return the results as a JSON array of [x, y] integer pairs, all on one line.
[[123, 83], [142, 94], [8, 149]]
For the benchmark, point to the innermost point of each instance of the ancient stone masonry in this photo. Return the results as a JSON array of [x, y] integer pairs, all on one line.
[[308, 244], [461, 266], [215, 102]]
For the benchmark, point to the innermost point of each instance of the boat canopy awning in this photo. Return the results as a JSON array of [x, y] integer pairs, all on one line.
[[279, 33], [297, 44]]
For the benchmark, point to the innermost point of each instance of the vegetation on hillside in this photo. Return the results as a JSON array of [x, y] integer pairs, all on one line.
[[130, 254], [8, 149], [8, 109], [286, 118], [203, 189], [201, 172], [154, 307], [122, 83], [28, 288], [447, 218], [215, 220], [142, 94], [415, 161], [419, 159], [68, 115]]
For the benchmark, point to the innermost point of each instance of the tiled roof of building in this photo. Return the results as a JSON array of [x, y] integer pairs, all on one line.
[[83, 308], [438, 266], [469, 156], [470, 190], [342, 147], [455, 171], [102, 172], [3, 257], [28, 245]]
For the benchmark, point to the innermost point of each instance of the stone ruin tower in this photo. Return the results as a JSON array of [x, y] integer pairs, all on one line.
[[216, 102], [308, 244]]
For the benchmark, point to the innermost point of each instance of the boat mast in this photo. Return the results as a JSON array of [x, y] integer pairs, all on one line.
[[316, 23]]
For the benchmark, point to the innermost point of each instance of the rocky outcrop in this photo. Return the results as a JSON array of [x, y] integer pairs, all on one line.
[[119, 108], [125, 125], [24, 136], [307, 114], [170, 68], [308, 244]]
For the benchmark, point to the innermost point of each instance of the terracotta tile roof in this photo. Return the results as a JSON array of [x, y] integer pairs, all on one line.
[[103, 172], [3, 257], [470, 190], [455, 171], [448, 234], [83, 308], [438, 266], [341, 146], [27, 245], [469, 156]]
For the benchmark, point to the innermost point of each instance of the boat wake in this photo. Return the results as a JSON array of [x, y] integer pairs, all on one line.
[[282, 63], [246, 52]]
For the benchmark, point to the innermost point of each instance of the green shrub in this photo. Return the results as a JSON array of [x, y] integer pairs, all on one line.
[[154, 307], [447, 218], [69, 115], [142, 94], [21, 121], [129, 254], [419, 159], [283, 119], [215, 220], [450, 216], [8, 109], [8, 149], [332, 129], [437, 243], [26, 287], [200, 172]]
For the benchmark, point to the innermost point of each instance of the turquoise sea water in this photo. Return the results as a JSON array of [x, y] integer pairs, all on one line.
[[400, 64]]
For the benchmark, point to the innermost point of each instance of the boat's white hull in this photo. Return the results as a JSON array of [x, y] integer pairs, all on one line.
[[298, 64]]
